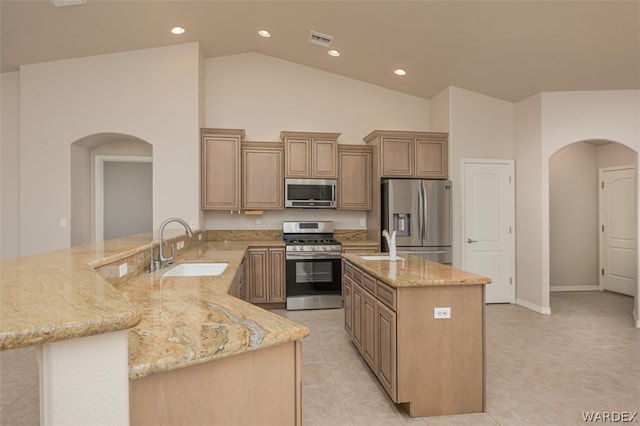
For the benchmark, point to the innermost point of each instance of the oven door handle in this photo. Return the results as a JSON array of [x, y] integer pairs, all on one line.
[[314, 255]]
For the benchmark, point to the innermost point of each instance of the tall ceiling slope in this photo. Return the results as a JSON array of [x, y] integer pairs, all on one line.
[[506, 49]]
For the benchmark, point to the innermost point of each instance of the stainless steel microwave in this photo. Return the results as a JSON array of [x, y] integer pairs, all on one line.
[[310, 193]]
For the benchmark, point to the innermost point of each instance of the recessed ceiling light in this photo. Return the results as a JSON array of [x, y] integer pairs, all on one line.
[[177, 30], [333, 52], [264, 33], [399, 71]]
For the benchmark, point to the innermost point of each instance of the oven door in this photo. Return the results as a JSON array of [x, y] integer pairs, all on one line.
[[313, 276]]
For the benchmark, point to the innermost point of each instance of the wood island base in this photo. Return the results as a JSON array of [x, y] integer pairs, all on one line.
[[256, 387]]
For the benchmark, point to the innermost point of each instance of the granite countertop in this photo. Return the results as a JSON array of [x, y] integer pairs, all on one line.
[[172, 322], [414, 271], [189, 320]]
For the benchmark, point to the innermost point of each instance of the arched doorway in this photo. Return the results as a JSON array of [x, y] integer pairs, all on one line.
[[119, 151], [576, 226]]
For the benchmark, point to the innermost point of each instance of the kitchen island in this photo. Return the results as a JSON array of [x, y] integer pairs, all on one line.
[[159, 335], [419, 325]]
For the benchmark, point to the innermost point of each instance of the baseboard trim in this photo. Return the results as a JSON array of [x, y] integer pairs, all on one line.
[[574, 288], [536, 308]]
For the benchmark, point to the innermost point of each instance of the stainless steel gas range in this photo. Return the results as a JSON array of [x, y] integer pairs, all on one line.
[[313, 266]]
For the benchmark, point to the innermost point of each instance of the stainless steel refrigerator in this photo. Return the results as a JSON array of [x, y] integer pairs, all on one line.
[[420, 212]]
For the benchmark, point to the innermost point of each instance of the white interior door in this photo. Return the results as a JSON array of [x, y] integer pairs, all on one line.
[[617, 230], [488, 225]]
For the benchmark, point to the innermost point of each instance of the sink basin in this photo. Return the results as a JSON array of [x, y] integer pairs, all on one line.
[[196, 270], [381, 258]]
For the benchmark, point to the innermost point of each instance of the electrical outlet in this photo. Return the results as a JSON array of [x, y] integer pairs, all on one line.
[[200, 237], [192, 223], [122, 270], [363, 223], [442, 313], [63, 222], [180, 245], [258, 221]]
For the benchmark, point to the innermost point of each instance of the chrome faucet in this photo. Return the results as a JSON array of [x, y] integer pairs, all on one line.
[[162, 261]]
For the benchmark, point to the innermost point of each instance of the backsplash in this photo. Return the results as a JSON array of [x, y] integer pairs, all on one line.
[[224, 220]]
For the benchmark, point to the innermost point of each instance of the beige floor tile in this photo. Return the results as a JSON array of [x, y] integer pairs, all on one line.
[[540, 369]]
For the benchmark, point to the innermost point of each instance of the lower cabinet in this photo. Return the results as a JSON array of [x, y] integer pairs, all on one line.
[[431, 366], [266, 275]]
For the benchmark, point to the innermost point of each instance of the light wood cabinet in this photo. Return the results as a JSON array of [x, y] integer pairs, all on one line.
[[355, 177], [347, 302], [220, 155], [432, 366], [262, 176], [385, 326], [266, 275], [411, 154], [310, 155], [260, 386], [237, 288]]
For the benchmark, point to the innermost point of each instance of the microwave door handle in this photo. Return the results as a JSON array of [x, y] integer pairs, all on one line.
[[333, 193]]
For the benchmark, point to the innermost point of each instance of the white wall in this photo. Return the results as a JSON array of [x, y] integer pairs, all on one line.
[[9, 168], [152, 94], [481, 127], [265, 96]]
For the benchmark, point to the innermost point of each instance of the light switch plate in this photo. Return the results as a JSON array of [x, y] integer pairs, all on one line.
[[122, 270], [180, 245]]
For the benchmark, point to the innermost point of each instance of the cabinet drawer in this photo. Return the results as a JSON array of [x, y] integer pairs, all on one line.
[[357, 276], [386, 295], [369, 283], [347, 269]]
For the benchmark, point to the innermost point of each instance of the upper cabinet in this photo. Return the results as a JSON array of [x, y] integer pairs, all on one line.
[[221, 168], [354, 185], [411, 154], [262, 181], [310, 155]]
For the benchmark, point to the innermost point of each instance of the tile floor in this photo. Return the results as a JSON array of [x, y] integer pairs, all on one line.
[[541, 370]]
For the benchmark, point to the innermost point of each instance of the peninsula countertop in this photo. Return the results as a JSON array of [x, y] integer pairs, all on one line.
[[172, 322], [413, 271]]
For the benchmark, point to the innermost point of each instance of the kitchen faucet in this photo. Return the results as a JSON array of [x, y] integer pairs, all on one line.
[[162, 261]]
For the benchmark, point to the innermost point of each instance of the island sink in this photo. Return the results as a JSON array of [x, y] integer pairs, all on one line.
[[196, 270]]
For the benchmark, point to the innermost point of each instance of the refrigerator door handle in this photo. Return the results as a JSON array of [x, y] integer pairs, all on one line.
[[425, 210], [420, 214]]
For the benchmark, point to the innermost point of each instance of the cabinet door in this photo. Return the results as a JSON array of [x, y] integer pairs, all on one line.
[[386, 349], [431, 158], [358, 294], [369, 337], [257, 283], [397, 156], [220, 171], [347, 298], [276, 275], [355, 181], [262, 179], [323, 159], [297, 158]]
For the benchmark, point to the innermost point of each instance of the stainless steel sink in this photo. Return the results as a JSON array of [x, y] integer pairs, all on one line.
[[381, 258], [196, 270]]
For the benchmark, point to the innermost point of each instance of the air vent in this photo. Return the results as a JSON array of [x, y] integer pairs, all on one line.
[[320, 39]]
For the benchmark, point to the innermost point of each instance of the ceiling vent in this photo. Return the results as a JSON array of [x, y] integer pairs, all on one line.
[[320, 39], [60, 3]]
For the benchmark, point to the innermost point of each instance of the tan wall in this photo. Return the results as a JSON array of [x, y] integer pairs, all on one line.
[[9, 167], [265, 95], [573, 217], [150, 94]]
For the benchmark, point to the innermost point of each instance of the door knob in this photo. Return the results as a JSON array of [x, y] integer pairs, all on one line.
[[469, 240]]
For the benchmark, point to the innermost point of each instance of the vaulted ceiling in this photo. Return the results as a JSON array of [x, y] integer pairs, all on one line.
[[506, 49]]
